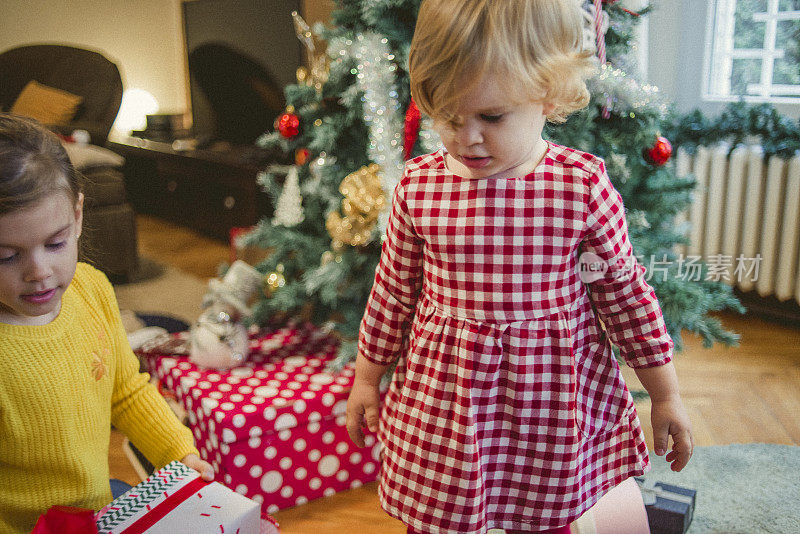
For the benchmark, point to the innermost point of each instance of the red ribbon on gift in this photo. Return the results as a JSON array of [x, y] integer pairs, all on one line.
[[66, 520], [158, 512]]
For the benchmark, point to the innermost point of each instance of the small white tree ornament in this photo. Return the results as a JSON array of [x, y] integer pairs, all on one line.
[[289, 209]]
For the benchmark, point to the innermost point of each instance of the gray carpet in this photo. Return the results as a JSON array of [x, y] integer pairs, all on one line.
[[742, 489], [166, 290]]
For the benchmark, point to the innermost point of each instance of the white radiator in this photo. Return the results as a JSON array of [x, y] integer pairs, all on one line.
[[746, 211]]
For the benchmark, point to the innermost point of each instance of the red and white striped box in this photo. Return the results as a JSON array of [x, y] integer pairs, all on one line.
[[274, 428], [176, 500]]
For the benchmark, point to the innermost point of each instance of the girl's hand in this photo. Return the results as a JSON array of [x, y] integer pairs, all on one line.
[[669, 418], [363, 404], [201, 466]]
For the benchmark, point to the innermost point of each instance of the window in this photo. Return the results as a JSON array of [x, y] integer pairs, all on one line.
[[753, 51]]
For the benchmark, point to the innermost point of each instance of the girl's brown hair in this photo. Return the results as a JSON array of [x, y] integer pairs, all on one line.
[[534, 46], [33, 164]]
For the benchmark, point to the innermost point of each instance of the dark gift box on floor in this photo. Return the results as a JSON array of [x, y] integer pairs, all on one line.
[[669, 508]]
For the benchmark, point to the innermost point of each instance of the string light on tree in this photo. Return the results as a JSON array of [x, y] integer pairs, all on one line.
[[318, 163], [274, 280], [621, 93], [328, 257]]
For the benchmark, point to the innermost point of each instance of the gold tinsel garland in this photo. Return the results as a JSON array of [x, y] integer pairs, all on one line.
[[363, 201]]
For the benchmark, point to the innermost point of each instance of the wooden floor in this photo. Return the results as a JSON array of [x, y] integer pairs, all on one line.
[[746, 394]]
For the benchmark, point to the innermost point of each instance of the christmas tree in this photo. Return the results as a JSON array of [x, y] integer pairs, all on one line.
[[351, 123]]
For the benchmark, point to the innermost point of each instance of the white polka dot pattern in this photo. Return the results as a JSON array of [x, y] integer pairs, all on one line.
[[274, 427]]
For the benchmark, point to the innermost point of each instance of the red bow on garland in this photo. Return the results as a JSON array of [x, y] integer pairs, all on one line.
[[411, 129]]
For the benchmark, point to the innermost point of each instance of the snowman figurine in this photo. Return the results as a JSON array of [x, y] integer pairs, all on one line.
[[219, 338]]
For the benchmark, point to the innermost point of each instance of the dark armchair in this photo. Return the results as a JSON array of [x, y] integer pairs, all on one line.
[[109, 237], [81, 72]]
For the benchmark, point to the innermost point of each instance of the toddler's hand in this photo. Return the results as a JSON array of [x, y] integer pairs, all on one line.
[[669, 418], [362, 404], [201, 466]]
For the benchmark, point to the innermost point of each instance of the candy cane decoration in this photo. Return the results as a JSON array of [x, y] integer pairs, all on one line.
[[598, 31], [600, 36]]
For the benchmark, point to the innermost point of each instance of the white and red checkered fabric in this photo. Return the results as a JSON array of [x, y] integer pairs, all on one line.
[[507, 409]]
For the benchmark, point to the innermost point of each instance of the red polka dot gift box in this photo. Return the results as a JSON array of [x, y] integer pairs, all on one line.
[[274, 428]]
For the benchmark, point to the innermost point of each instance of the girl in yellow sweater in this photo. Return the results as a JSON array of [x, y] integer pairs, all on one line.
[[68, 373]]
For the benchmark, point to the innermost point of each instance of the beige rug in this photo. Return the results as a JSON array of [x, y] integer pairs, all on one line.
[[163, 290]]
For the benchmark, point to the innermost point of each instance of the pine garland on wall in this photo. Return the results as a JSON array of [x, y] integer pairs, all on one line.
[[739, 123]]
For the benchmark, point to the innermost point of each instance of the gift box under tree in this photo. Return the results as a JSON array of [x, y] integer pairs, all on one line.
[[176, 500], [274, 428]]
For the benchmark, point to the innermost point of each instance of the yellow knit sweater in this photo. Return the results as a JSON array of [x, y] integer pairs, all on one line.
[[62, 386]]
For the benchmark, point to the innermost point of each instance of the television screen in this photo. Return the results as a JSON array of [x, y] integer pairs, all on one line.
[[241, 54]]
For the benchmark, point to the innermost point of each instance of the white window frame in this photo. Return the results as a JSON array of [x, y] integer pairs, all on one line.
[[719, 55]]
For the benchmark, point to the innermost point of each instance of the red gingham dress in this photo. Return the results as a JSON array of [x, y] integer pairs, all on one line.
[[507, 408]]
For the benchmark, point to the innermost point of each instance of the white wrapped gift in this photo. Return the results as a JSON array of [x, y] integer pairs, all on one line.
[[175, 500]]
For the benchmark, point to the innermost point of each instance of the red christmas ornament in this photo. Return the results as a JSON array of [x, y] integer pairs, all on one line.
[[301, 156], [660, 152], [411, 129], [288, 125]]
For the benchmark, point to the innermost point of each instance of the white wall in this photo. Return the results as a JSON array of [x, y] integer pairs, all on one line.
[[663, 29], [676, 46], [143, 37]]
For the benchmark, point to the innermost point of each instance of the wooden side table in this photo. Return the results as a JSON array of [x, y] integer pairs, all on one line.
[[210, 191]]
